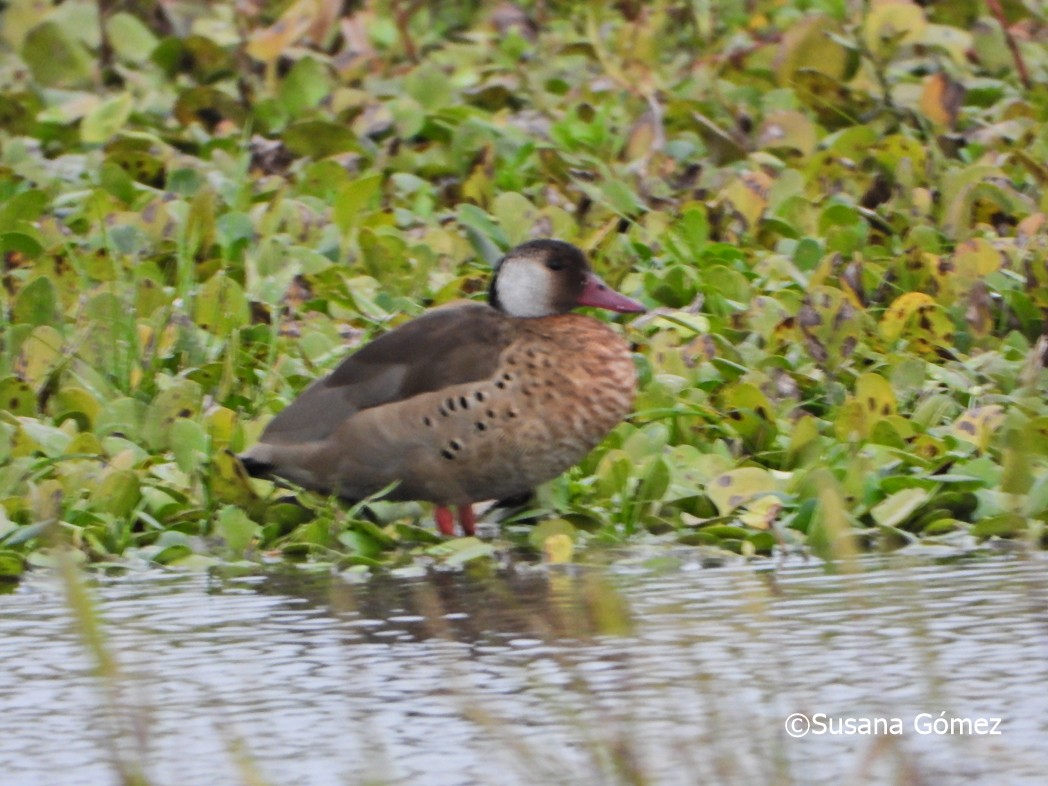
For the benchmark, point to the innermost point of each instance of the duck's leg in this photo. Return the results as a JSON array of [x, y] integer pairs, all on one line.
[[445, 521], [467, 519]]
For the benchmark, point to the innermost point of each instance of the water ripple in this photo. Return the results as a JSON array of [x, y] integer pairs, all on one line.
[[452, 681]]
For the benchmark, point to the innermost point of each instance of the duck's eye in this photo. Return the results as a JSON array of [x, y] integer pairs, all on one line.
[[555, 264]]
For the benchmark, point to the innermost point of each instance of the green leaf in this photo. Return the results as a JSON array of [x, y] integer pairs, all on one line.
[[622, 199], [235, 527], [207, 106], [319, 139], [899, 507], [487, 237], [50, 440], [36, 303], [1036, 503], [119, 492], [121, 416], [429, 85], [189, 443], [1004, 525], [130, 38], [355, 200], [23, 208], [12, 564], [460, 551], [809, 45], [19, 243], [55, 58], [172, 554], [516, 215], [221, 306], [229, 481], [106, 119], [375, 532], [613, 473], [409, 533], [306, 85], [655, 482]]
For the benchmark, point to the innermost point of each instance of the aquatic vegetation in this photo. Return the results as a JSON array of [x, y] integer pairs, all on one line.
[[836, 213]]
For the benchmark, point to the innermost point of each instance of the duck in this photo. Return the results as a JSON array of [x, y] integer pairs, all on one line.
[[470, 401]]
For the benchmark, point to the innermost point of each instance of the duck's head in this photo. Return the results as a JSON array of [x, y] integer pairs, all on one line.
[[545, 277]]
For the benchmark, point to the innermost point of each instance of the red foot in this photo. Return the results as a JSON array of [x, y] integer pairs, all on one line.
[[445, 521], [467, 519]]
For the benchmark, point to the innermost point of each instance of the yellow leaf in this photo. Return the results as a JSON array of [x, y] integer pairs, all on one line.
[[831, 325], [900, 311], [229, 481], [875, 394], [1030, 226], [41, 352], [976, 258], [788, 129], [271, 42], [558, 549], [891, 23], [977, 425], [222, 426], [762, 512], [737, 487], [125, 459], [807, 46], [645, 137], [851, 424], [805, 431], [955, 275], [748, 194], [941, 99]]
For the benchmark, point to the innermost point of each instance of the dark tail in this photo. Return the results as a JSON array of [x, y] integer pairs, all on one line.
[[256, 468]]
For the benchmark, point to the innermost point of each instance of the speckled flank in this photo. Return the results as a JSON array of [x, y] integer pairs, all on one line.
[[557, 391]]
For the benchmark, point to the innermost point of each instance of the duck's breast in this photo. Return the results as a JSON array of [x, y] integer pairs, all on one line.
[[574, 380]]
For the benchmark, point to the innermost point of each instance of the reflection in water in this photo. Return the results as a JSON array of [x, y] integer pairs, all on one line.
[[571, 603], [580, 677]]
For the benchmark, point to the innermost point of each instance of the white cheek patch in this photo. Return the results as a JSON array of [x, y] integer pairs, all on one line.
[[525, 288]]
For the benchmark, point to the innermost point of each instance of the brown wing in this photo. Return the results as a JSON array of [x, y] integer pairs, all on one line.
[[447, 346]]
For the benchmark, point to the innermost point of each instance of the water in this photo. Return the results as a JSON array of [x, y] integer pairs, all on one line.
[[680, 676]]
